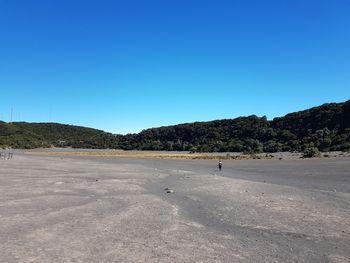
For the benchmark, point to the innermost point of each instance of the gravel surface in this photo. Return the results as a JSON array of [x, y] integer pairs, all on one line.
[[56, 209]]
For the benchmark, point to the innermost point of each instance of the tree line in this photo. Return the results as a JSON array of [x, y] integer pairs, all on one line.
[[325, 128]]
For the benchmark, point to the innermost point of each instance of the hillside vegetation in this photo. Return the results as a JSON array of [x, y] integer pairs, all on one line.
[[326, 128], [34, 135]]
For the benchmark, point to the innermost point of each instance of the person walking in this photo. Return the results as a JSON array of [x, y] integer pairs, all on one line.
[[220, 165]]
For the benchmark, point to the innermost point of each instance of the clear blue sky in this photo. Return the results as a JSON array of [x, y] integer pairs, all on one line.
[[123, 66]]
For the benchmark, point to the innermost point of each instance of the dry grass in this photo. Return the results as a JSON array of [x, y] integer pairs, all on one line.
[[146, 154], [181, 155]]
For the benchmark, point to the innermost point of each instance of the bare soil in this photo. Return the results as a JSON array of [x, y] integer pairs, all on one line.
[[107, 209]]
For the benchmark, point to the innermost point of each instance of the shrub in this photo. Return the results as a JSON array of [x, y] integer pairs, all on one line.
[[310, 152]]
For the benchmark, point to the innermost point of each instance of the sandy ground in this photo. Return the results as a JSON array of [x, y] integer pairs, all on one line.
[[92, 209]]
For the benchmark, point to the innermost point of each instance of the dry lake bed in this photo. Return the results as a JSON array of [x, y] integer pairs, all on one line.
[[105, 209]]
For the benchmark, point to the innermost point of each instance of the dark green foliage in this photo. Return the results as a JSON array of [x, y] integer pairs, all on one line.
[[325, 128], [35, 135], [310, 152]]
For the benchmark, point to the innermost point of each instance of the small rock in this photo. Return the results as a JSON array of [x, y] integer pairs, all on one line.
[[266, 234]]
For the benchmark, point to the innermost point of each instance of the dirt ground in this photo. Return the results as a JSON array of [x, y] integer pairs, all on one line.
[[104, 209]]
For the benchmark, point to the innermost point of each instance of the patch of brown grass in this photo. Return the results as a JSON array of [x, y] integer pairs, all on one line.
[[144, 154]]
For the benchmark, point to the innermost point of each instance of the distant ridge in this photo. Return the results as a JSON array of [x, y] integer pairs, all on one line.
[[326, 127], [42, 135]]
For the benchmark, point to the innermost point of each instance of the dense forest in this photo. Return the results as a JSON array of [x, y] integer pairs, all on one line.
[[326, 128], [42, 135]]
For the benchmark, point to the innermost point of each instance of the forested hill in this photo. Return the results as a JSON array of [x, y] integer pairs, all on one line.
[[34, 135], [326, 127]]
